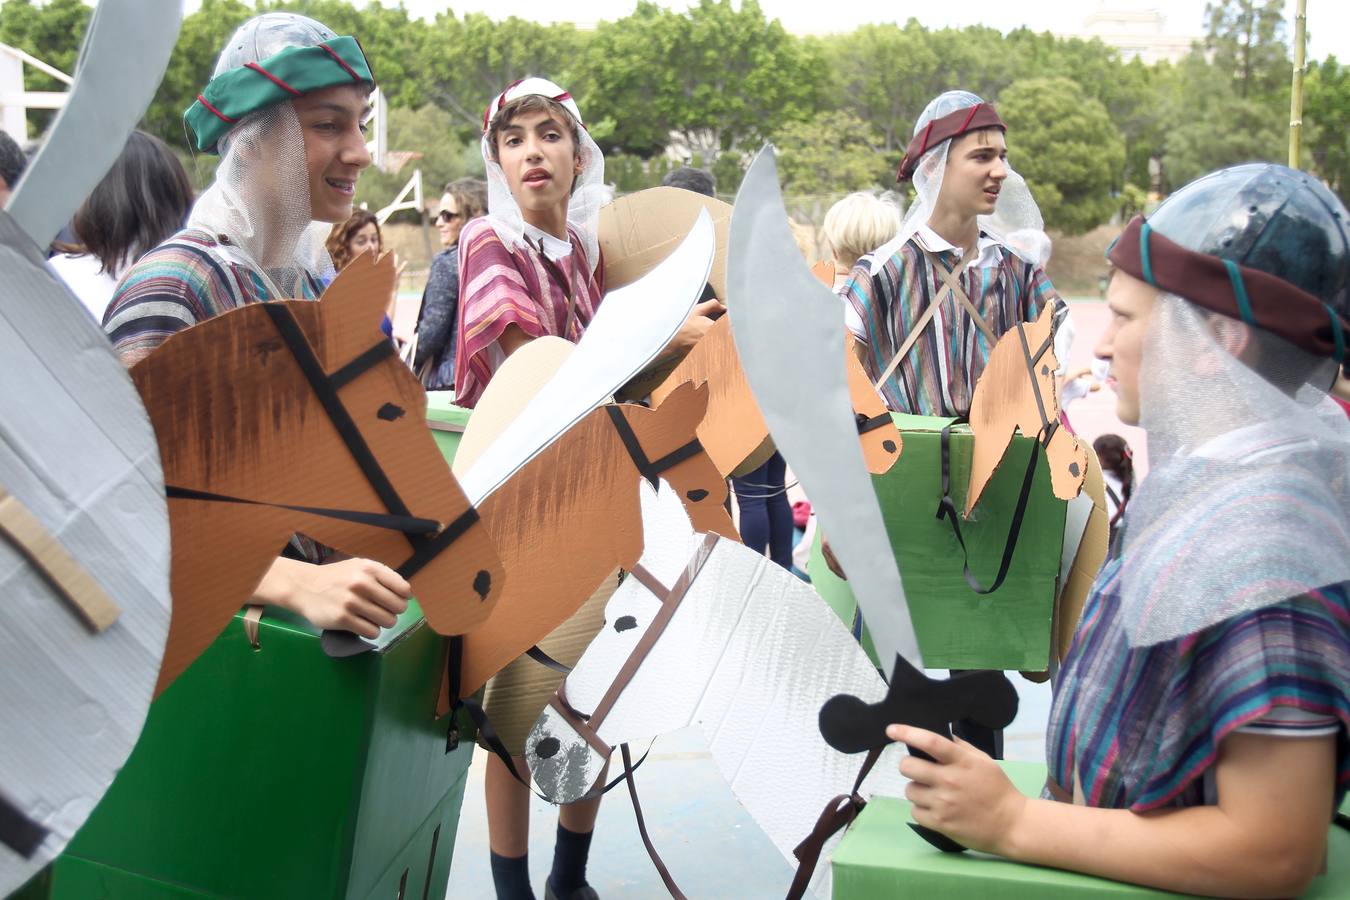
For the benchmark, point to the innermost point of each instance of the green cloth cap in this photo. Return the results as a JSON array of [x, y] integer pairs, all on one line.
[[289, 74]]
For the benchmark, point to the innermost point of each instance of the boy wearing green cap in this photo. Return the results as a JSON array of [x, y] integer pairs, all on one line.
[[285, 110]]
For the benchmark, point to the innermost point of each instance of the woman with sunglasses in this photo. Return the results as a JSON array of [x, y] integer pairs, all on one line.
[[434, 358]]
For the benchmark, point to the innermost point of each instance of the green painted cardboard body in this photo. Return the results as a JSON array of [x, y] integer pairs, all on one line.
[[957, 628], [282, 773], [881, 857]]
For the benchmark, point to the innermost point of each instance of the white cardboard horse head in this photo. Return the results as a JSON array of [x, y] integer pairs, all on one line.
[[84, 530], [749, 656]]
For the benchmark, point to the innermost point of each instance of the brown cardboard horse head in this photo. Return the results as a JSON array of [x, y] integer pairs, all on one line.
[[734, 432], [1018, 390], [572, 514], [295, 416]]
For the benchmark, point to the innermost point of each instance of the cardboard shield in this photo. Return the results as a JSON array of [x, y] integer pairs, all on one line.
[[84, 538]]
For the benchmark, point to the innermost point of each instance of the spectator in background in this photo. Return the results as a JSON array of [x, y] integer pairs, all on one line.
[[349, 239], [143, 199], [854, 227], [12, 163], [434, 358], [1118, 472], [700, 181]]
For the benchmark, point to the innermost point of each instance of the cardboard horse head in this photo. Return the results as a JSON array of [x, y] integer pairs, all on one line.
[[706, 632], [571, 515], [84, 528], [295, 416], [1018, 390], [734, 432]]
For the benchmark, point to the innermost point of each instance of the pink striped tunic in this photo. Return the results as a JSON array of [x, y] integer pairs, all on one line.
[[500, 287]]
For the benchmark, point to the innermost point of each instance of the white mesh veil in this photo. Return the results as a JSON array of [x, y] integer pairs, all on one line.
[[1247, 501], [1015, 210], [260, 200], [588, 193]]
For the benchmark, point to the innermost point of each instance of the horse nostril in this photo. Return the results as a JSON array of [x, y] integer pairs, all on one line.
[[547, 748], [625, 623], [888, 446], [697, 494], [1045, 370], [1073, 469], [482, 584]]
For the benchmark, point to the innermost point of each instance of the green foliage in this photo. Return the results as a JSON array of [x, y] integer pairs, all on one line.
[[1065, 145], [1212, 126], [718, 79], [1326, 123], [1246, 38], [52, 33], [834, 153]]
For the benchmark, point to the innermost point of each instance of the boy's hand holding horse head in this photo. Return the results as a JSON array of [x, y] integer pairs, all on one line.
[[357, 595], [961, 792]]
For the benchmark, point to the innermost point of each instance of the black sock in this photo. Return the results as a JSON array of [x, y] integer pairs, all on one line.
[[569, 861], [511, 877]]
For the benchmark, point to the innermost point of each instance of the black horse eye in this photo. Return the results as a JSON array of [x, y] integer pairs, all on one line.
[[697, 494]]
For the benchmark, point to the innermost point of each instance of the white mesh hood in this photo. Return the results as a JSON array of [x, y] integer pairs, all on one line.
[[1247, 501], [588, 193], [1015, 210], [259, 201]]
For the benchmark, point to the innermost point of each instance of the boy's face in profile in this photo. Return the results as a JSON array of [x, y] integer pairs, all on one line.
[[1131, 302], [975, 173], [540, 161]]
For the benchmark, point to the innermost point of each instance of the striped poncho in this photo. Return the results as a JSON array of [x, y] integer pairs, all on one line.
[[1139, 727], [189, 278], [530, 287], [938, 376]]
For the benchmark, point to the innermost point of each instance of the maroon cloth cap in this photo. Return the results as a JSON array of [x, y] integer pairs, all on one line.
[[972, 118]]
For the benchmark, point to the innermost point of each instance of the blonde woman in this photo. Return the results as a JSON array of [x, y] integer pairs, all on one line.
[[855, 226]]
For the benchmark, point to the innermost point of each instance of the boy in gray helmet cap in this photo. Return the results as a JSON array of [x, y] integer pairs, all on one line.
[[285, 109]]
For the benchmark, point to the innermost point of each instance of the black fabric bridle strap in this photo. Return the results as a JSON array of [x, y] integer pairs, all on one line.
[[544, 659], [18, 832], [947, 510], [404, 524], [433, 546], [363, 363], [326, 391], [649, 469], [866, 425]]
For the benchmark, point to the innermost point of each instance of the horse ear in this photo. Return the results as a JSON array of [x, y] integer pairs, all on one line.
[[688, 401], [354, 305]]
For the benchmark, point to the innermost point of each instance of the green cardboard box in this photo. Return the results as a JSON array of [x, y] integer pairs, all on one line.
[[958, 629], [881, 857], [282, 773]]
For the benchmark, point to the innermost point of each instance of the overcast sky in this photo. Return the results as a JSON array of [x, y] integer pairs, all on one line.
[[1328, 20]]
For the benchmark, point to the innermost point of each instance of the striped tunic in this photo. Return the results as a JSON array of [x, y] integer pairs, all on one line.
[[1139, 727], [523, 287], [189, 278], [938, 376]]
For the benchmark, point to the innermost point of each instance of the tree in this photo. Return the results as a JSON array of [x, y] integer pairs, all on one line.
[[834, 153], [52, 33], [714, 78], [1246, 38], [1326, 116], [1066, 146], [883, 74], [200, 39], [1210, 126], [465, 63]]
